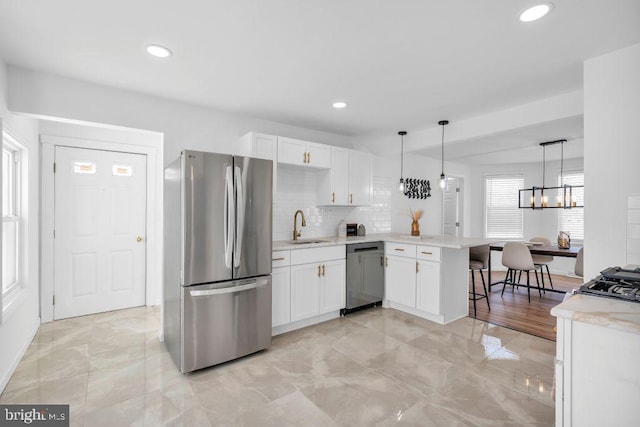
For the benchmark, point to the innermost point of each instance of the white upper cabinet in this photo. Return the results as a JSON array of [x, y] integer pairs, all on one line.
[[303, 153], [261, 146], [359, 178], [348, 183]]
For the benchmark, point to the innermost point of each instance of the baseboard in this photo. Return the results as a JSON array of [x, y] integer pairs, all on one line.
[[19, 356], [277, 330]]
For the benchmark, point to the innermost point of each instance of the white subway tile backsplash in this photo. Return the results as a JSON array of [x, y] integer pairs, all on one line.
[[297, 189]]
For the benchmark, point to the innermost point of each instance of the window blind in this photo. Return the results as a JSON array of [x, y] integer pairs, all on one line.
[[503, 218], [572, 220]]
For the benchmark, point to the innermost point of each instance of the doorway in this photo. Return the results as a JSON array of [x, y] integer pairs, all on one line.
[[99, 232], [452, 207]]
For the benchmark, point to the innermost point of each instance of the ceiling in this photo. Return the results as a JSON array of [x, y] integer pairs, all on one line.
[[516, 146], [399, 65]]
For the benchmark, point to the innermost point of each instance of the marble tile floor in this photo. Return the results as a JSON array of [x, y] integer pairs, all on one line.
[[374, 367]]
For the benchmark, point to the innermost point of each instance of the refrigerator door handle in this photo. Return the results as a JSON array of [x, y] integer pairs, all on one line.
[[230, 289], [237, 253], [229, 217]]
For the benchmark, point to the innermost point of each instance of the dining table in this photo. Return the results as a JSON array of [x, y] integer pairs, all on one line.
[[536, 249]]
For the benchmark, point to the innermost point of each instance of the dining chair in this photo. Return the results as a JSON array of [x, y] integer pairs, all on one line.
[[478, 260], [579, 269], [542, 260], [517, 257]]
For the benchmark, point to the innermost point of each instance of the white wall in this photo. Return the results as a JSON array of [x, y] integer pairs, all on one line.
[[542, 223], [611, 153], [183, 125], [19, 326]]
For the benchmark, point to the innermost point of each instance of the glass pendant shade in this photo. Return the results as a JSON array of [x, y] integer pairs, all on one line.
[[443, 182], [401, 185]]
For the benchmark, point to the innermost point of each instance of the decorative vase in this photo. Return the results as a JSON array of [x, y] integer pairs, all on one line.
[[415, 228]]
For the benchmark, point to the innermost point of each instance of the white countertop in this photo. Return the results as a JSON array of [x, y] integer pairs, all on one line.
[[608, 312], [438, 241]]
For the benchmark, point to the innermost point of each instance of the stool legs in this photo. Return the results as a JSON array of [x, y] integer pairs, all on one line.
[[475, 296]]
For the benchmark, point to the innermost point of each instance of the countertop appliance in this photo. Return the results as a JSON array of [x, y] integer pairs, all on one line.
[[352, 230], [365, 276], [614, 282], [217, 258]]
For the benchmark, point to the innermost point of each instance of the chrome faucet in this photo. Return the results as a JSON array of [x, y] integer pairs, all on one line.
[[297, 233]]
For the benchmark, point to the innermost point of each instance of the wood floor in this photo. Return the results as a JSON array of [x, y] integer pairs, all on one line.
[[514, 311]]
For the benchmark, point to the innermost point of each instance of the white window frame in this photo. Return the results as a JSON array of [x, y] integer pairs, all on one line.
[[487, 177], [574, 239], [14, 293]]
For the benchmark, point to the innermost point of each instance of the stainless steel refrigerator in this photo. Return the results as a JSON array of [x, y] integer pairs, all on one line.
[[217, 258]]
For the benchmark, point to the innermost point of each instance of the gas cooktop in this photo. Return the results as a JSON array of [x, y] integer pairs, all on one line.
[[614, 282]]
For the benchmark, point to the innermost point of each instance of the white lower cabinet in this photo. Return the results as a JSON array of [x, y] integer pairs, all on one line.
[[428, 287], [281, 296], [317, 288], [413, 279], [333, 286], [400, 280], [314, 285], [304, 291]]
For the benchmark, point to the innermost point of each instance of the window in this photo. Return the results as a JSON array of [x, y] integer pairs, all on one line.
[[10, 215], [572, 220], [503, 218]]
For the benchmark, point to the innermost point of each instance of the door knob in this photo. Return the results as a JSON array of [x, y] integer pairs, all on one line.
[[139, 239]]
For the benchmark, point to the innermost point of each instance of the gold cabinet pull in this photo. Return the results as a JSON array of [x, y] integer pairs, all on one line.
[[322, 270], [386, 261], [139, 239], [333, 197], [278, 259], [318, 271], [399, 249], [309, 157], [426, 253], [351, 198], [304, 157], [417, 267], [382, 261]]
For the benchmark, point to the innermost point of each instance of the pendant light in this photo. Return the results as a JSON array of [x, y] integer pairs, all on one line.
[[402, 133], [537, 197], [443, 180]]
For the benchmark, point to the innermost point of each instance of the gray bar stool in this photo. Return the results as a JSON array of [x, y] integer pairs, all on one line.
[[478, 260]]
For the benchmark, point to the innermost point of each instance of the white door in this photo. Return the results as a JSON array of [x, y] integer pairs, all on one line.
[[333, 286], [100, 213], [339, 176], [451, 209], [428, 287], [305, 280], [280, 296], [400, 280], [359, 178]]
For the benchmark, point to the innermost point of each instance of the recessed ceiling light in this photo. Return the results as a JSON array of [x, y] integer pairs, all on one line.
[[158, 51], [535, 12], [339, 105]]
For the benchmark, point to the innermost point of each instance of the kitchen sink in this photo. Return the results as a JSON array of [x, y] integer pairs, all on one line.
[[306, 241]]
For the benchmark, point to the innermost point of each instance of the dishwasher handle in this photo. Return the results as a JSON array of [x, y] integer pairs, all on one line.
[[370, 248], [229, 290]]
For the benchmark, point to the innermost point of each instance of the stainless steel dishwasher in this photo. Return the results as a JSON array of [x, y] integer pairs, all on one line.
[[365, 275]]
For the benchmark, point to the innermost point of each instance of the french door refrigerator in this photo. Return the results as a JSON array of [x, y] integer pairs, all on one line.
[[217, 258]]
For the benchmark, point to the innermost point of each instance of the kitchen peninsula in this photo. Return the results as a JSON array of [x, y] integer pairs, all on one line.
[[425, 276]]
